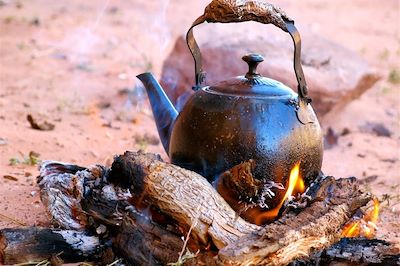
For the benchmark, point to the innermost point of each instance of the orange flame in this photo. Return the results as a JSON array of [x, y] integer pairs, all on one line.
[[365, 226], [296, 185]]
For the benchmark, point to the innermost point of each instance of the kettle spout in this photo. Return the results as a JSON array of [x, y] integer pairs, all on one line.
[[163, 110]]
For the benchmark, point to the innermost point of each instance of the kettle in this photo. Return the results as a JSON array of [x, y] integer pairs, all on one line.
[[242, 118]]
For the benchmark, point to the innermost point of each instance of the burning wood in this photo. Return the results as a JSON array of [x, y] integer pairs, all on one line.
[[366, 226], [251, 197], [295, 186], [359, 251], [153, 212], [183, 195]]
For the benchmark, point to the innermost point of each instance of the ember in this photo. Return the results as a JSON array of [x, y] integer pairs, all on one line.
[[295, 186], [364, 227]]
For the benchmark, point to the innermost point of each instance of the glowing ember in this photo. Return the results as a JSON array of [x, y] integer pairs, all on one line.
[[365, 226], [295, 186]]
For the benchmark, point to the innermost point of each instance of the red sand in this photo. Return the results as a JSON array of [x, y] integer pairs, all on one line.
[[60, 61]]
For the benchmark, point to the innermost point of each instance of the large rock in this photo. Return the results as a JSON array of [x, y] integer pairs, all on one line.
[[335, 75]]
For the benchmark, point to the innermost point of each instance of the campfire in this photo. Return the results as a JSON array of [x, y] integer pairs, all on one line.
[[148, 212], [244, 185]]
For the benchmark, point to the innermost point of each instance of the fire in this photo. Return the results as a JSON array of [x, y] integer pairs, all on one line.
[[295, 186], [365, 226]]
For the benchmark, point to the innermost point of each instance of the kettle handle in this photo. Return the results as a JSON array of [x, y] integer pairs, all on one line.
[[225, 11]]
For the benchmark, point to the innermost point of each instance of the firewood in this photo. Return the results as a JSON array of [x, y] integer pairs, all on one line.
[[82, 198], [61, 190], [22, 245], [178, 192], [358, 251], [134, 235], [296, 234], [184, 195], [188, 201], [247, 195]]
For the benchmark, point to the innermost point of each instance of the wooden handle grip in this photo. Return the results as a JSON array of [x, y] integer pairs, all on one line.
[[225, 11]]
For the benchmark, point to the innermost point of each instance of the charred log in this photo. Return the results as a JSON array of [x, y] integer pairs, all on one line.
[[357, 251], [38, 244], [82, 198], [247, 195], [134, 235]]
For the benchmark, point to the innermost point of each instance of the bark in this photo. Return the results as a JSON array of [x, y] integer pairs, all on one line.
[[248, 196]]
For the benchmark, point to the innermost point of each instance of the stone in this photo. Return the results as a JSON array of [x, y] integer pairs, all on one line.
[[334, 74]]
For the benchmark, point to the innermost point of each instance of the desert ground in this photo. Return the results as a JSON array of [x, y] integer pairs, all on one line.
[[73, 64]]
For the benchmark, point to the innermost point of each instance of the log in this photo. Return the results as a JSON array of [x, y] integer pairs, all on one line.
[[358, 251], [82, 198], [296, 234], [248, 196], [61, 190], [21, 245], [182, 194], [134, 235]]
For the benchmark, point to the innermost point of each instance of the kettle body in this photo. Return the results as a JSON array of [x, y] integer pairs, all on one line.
[[218, 130]]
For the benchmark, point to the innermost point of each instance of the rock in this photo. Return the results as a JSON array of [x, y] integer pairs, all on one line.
[[44, 125], [334, 74], [376, 128], [330, 139]]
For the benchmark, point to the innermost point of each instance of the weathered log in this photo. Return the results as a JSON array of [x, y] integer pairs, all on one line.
[[82, 198], [61, 190], [182, 194], [37, 244], [134, 235]]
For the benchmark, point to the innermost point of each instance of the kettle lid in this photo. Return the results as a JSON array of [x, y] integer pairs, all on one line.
[[252, 83]]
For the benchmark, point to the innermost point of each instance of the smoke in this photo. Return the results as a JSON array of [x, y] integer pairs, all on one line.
[[160, 31], [80, 42]]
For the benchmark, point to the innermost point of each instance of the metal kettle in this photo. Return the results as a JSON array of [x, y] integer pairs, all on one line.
[[244, 117]]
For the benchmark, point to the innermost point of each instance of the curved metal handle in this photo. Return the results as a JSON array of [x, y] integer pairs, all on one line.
[[225, 11]]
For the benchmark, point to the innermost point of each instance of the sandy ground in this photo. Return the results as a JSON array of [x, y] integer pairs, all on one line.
[[72, 63]]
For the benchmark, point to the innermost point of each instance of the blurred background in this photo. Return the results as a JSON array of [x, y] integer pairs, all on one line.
[[71, 66]]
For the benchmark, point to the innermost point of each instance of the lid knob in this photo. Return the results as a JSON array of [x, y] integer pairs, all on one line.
[[252, 60]]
